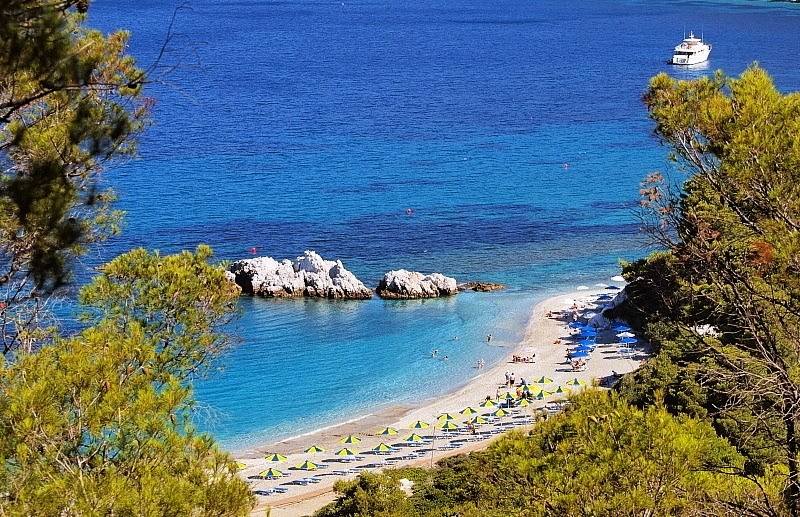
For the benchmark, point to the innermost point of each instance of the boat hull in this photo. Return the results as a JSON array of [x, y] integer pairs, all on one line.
[[693, 59]]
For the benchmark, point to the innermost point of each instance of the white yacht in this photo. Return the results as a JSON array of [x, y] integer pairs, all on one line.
[[691, 51]]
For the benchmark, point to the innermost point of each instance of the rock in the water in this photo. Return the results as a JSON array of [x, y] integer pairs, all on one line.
[[309, 275], [482, 287], [404, 284]]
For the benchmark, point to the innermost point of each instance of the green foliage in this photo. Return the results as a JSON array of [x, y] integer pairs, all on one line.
[[369, 495], [732, 234], [69, 103], [100, 423]]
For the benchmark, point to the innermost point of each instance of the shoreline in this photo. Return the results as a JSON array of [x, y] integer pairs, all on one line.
[[543, 336]]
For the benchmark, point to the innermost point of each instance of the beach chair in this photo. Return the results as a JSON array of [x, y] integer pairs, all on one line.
[[280, 489], [340, 472], [265, 491]]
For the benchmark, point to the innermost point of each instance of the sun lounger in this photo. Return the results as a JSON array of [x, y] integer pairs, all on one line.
[[267, 491], [280, 490], [340, 472]]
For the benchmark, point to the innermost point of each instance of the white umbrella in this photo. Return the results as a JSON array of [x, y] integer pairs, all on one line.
[[589, 315], [626, 334], [618, 278], [583, 288], [601, 284]]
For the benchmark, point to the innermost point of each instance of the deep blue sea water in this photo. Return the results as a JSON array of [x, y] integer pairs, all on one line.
[[293, 125]]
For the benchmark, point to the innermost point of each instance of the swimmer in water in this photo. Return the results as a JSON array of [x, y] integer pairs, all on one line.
[[435, 353]]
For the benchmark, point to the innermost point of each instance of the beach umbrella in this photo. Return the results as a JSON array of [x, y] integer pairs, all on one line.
[[544, 380], [388, 430], [590, 331], [525, 388], [275, 457], [346, 452], [587, 342], [575, 325], [525, 402], [415, 438], [382, 447], [629, 340], [613, 288], [561, 391], [626, 334], [448, 426], [419, 424], [583, 348], [508, 396], [619, 327], [468, 411], [488, 403], [500, 412], [478, 420], [447, 416], [582, 288], [542, 394], [618, 278], [350, 439], [270, 473], [580, 355], [315, 449], [576, 382], [240, 465], [307, 465]]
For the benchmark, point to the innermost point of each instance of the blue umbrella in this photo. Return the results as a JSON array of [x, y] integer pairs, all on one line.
[[587, 342], [629, 340], [588, 332], [576, 325], [613, 288], [620, 328], [579, 354], [584, 348]]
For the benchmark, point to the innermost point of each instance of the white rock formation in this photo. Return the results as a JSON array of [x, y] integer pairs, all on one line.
[[309, 275], [410, 284]]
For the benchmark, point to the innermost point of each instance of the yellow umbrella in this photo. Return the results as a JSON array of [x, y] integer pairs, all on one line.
[[415, 438], [270, 473], [543, 380], [576, 382], [388, 430], [479, 420], [447, 426], [508, 396], [315, 449], [240, 465], [446, 416], [542, 394], [307, 465], [350, 439], [488, 403], [346, 452], [500, 412], [561, 391], [524, 402], [468, 411], [275, 457], [419, 424], [382, 447]]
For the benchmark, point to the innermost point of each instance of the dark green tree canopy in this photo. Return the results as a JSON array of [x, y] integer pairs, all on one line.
[[69, 103]]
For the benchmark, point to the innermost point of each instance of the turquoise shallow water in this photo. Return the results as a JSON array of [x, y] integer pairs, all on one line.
[[296, 125]]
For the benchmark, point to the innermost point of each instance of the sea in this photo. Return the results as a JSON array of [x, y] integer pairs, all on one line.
[[500, 141]]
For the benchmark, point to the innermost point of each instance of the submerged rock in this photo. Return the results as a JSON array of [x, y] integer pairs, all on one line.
[[482, 287], [402, 284], [309, 275]]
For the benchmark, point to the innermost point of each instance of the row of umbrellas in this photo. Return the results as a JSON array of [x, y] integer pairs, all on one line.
[[446, 424]]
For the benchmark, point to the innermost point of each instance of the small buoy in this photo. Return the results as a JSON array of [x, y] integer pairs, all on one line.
[[253, 250], [409, 211], [566, 166]]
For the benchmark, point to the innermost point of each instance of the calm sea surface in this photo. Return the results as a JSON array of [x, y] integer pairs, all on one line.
[[293, 125]]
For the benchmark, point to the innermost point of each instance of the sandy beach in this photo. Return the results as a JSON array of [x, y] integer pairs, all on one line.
[[546, 336]]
